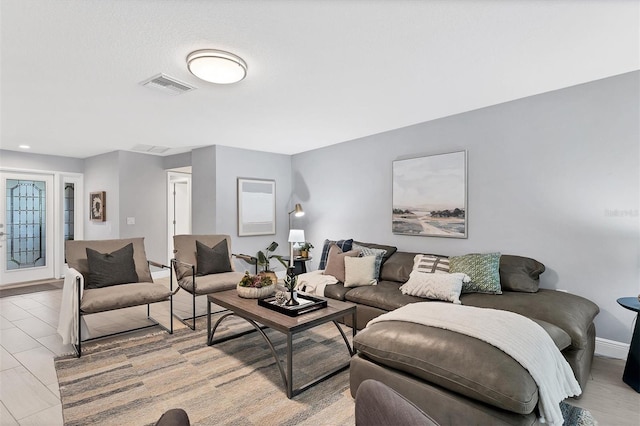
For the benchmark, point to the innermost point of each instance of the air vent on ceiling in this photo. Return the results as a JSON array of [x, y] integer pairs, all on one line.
[[167, 84], [150, 149]]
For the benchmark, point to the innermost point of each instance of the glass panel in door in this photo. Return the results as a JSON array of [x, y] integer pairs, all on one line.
[[25, 214]]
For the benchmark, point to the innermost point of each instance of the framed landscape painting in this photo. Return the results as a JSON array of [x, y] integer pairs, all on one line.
[[430, 196]]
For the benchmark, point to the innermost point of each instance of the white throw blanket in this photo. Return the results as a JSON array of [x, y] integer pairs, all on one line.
[[68, 319], [516, 335], [315, 282]]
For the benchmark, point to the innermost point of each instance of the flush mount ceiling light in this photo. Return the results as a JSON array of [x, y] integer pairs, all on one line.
[[216, 66]]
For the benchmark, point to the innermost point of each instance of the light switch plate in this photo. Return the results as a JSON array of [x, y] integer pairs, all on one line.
[[131, 221]]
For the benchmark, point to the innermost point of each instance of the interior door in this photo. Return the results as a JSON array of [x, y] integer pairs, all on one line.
[[26, 227]]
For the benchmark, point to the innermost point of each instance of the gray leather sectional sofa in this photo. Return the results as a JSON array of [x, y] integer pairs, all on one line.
[[454, 378]]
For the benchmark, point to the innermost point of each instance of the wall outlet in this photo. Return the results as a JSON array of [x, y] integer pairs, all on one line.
[[131, 221]]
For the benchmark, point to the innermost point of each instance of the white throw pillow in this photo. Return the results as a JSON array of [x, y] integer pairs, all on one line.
[[431, 263], [359, 271], [445, 287]]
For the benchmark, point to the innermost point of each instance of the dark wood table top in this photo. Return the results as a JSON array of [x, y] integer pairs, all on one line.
[[249, 308]]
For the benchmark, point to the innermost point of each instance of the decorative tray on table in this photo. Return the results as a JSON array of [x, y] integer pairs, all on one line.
[[306, 304]]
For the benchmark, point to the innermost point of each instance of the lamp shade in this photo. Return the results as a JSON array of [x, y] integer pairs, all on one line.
[[297, 211], [296, 236], [216, 66]]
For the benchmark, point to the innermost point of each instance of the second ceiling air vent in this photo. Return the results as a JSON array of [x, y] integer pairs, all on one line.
[[168, 85]]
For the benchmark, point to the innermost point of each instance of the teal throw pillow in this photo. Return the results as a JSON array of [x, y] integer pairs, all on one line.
[[484, 270]]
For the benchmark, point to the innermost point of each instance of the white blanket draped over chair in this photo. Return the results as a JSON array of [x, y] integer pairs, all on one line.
[[516, 335]]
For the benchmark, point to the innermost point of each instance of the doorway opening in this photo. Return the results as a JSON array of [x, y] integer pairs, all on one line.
[[178, 206]]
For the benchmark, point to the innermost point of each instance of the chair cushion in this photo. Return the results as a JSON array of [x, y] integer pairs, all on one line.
[[126, 295], [212, 260], [454, 361], [184, 248], [211, 283], [107, 269], [76, 255]]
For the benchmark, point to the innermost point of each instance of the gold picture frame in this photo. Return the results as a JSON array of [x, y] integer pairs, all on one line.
[[97, 206]]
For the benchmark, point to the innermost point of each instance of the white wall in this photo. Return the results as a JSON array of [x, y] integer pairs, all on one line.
[[545, 173]]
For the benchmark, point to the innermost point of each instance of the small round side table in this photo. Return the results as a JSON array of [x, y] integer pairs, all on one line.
[[631, 375]]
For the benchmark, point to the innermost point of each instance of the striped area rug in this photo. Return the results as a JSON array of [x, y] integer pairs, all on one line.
[[133, 381]]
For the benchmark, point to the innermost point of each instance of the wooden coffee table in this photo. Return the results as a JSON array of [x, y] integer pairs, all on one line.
[[255, 315]]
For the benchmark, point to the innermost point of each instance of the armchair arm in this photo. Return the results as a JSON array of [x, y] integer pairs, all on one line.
[[176, 263], [251, 260], [156, 264]]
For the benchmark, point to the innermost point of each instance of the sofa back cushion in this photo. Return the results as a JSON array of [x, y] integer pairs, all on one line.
[[519, 273], [398, 267]]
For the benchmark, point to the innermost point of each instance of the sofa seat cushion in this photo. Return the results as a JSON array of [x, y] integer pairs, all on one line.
[[456, 362], [386, 295], [573, 314], [212, 283], [336, 291], [122, 296]]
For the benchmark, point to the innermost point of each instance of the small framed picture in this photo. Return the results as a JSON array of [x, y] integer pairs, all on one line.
[[97, 207]]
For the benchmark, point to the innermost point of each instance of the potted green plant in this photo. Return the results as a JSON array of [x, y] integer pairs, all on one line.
[[304, 249], [263, 261]]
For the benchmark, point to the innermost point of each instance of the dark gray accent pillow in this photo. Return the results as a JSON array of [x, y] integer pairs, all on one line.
[[212, 260], [520, 273], [107, 269]]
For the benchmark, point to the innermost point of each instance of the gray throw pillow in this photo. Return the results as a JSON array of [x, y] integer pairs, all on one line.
[[212, 260], [107, 269]]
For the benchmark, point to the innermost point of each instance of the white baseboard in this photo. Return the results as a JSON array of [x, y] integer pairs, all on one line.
[[611, 348]]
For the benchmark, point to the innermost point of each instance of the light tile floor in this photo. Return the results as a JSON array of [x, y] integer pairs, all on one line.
[[29, 342]]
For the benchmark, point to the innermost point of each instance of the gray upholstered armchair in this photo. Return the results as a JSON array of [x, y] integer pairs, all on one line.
[[105, 275], [203, 265]]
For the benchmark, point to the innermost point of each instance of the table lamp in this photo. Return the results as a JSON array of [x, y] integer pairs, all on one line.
[[295, 236]]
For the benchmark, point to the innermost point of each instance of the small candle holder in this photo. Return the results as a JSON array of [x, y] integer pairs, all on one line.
[[290, 283]]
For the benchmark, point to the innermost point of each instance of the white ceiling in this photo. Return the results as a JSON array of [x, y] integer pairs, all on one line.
[[320, 72]]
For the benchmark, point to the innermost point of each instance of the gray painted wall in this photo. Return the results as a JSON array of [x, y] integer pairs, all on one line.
[[101, 174], [28, 161], [143, 196], [203, 190], [546, 174], [215, 171]]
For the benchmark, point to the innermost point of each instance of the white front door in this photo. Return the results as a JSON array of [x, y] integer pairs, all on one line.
[[26, 227]]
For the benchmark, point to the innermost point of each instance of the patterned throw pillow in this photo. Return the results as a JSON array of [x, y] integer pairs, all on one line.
[[367, 251], [484, 270], [445, 287], [344, 245], [431, 263]]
